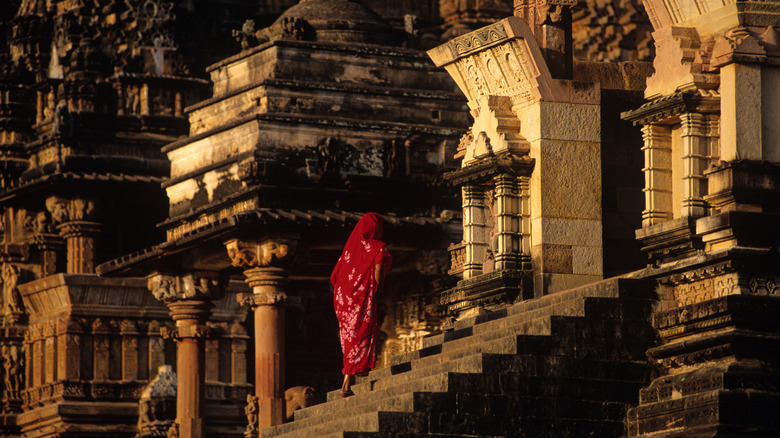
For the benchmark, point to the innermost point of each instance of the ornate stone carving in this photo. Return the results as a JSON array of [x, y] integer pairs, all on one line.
[[298, 397], [737, 45], [479, 39], [249, 254], [251, 410], [173, 431], [65, 210], [169, 288], [13, 367], [157, 404], [10, 277]]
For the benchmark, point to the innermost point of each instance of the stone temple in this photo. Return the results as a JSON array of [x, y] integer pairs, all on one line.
[[582, 200]]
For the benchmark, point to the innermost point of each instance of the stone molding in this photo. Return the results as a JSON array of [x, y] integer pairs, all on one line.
[[129, 298]]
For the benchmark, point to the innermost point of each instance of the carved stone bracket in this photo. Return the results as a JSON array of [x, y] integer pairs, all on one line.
[[66, 210], [168, 288], [250, 254]]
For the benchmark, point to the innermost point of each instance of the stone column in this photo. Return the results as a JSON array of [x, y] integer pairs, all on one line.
[[658, 175], [507, 222], [80, 240], [525, 221], [694, 159], [189, 300], [74, 217], [129, 332], [268, 300], [101, 344], [69, 336], [473, 230]]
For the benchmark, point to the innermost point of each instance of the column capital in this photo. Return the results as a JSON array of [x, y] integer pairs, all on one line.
[[267, 285], [206, 285], [260, 253]]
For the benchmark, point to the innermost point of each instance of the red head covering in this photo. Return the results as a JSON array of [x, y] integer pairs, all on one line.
[[354, 287], [361, 249]]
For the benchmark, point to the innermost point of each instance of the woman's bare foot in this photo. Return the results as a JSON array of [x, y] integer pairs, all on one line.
[[345, 387]]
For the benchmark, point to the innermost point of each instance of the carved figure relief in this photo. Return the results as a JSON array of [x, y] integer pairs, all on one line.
[[246, 35], [162, 287], [251, 254], [331, 154], [64, 210], [293, 28], [476, 78], [173, 431], [10, 277], [395, 158], [251, 410], [13, 365], [494, 70]]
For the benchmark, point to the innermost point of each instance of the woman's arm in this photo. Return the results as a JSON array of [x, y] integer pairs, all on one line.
[[379, 275]]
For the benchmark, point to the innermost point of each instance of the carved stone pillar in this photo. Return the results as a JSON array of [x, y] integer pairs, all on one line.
[[189, 300], [694, 159], [50, 352], [268, 300], [75, 225], [507, 222], [48, 245], [129, 332], [525, 220], [80, 240], [69, 333], [658, 175], [101, 350], [473, 230]]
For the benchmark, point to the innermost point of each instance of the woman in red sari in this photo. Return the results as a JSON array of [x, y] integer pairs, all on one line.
[[356, 279]]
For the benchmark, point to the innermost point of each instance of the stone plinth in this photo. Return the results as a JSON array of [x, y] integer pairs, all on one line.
[[488, 292]]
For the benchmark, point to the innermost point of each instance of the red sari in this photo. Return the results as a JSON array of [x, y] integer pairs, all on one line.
[[354, 288]]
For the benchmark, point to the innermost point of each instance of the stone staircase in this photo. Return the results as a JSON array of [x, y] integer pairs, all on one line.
[[567, 364]]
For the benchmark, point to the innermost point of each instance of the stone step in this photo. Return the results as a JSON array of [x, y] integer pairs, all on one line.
[[475, 380], [435, 383], [466, 359], [405, 396], [511, 341], [387, 422], [466, 364]]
